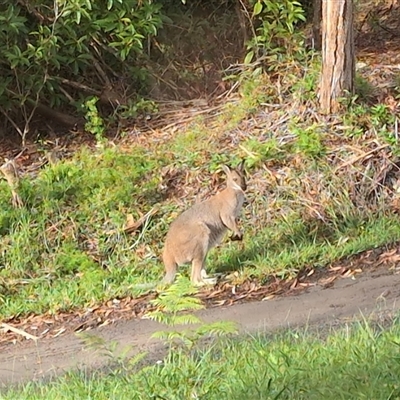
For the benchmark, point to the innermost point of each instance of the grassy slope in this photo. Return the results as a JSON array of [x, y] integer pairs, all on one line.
[[356, 362], [66, 248]]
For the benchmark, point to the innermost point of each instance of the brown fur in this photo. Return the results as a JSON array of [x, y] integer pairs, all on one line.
[[202, 226]]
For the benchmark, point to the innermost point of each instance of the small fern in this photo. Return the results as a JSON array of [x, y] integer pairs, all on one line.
[[119, 357], [173, 319], [169, 307], [220, 328]]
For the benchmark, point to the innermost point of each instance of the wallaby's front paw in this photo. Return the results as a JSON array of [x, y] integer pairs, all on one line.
[[237, 236]]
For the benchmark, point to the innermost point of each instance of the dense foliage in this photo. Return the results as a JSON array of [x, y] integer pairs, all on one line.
[[78, 56], [62, 52]]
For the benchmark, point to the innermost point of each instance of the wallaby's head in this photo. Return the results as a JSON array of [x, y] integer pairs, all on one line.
[[235, 177]]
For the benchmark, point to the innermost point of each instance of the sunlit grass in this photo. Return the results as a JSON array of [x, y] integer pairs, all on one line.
[[356, 361], [66, 247]]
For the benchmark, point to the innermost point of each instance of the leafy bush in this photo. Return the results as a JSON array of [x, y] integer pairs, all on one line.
[[62, 53], [274, 34]]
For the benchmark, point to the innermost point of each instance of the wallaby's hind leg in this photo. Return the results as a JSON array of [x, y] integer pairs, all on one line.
[[199, 276], [196, 274], [171, 268]]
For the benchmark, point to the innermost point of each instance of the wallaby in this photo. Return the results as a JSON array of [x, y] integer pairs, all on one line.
[[202, 226]]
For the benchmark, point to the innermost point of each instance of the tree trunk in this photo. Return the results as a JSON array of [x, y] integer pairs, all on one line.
[[316, 25], [338, 60]]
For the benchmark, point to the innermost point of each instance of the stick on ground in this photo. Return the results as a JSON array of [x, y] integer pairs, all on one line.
[[11, 328]]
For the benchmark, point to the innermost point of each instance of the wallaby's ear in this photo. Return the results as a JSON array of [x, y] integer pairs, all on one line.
[[226, 169]]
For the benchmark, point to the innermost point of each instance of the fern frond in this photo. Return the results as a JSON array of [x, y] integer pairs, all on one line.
[[161, 317], [92, 342], [184, 337], [180, 288], [220, 328], [176, 304], [186, 319], [168, 335], [137, 358], [177, 298]]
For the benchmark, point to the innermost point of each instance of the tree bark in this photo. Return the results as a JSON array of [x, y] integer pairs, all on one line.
[[316, 25], [338, 59]]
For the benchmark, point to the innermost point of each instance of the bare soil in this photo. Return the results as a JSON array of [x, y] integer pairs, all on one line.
[[364, 285]]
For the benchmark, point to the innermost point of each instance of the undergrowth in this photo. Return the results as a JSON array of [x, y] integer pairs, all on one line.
[[310, 198], [357, 361], [172, 309]]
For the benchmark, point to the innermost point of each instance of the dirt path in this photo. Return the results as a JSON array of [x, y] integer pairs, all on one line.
[[375, 291]]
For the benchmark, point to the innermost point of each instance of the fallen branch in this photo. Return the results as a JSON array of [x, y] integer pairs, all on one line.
[[79, 86], [11, 328], [64, 119], [106, 96]]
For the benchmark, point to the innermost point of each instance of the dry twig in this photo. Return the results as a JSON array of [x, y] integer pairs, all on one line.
[[11, 328]]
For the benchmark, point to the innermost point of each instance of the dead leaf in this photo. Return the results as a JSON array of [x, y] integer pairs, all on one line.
[[108, 312], [60, 331], [327, 281], [347, 273], [389, 257], [269, 297]]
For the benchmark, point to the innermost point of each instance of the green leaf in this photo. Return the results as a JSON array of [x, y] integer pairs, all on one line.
[[249, 57], [257, 8]]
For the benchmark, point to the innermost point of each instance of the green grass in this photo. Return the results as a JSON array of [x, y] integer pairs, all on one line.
[[67, 244], [358, 361]]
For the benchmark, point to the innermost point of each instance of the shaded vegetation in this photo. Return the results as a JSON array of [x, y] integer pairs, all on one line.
[[95, 66]]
